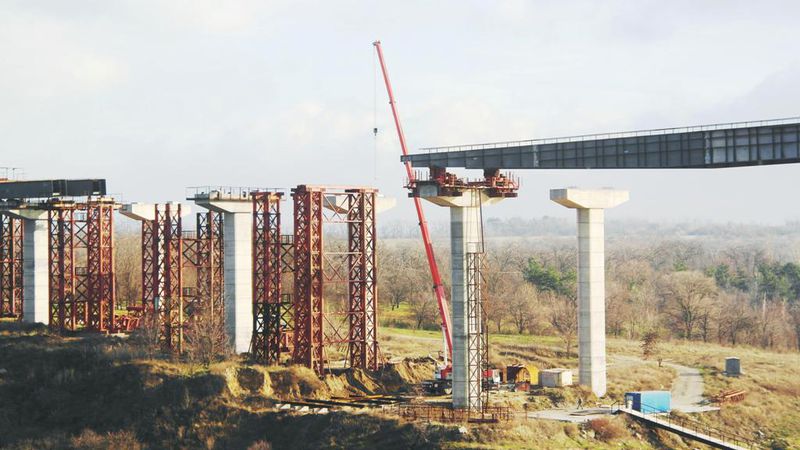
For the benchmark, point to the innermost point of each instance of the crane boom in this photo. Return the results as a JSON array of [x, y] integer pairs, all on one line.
[[438, 288]]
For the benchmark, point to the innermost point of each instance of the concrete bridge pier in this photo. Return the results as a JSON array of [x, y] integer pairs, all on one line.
[[237, 231], [591, 206], [466, 243]]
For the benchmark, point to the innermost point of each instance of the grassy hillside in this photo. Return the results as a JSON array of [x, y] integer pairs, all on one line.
[[98, 392]]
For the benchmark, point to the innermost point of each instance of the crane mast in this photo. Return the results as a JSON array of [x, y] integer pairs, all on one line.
[[438, 288]]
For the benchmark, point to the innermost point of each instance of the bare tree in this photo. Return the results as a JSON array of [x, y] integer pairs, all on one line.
[[206, 340], [423, 308], [523, 306], [688, 296], [564, 319]]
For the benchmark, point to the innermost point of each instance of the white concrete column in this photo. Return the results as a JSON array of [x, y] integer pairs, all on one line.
[[465, 237], [35, 265], [238, 262], [35, 271], [237, 237], [591, 279]]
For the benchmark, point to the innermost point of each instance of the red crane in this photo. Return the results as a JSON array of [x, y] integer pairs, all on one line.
[[438, 288]]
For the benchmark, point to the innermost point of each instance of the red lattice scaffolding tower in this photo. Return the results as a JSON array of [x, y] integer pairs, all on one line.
[[170, 306], [11, 235], [272, 309], [209, 263], [167, 252], [64, 314], [316, 325], [82, 296], [100, 268]]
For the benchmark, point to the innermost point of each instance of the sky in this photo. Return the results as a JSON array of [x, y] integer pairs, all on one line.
[[159, 95]]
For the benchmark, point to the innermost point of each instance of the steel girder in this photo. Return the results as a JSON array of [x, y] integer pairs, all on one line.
[[11, 239], [713, 146]]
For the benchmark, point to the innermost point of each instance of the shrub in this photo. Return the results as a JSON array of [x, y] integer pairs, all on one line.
[[90, 440], [606, 429]]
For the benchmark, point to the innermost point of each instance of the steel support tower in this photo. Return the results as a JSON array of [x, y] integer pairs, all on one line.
[[170, 306], [270, 307], [363, 284], [82, 296], [11, 237], [168, 252], [64, 314], [100, 269], [477, 333], [210, 275], [318, 326]]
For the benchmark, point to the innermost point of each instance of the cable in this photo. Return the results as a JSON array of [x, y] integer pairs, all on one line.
[[374, 117]]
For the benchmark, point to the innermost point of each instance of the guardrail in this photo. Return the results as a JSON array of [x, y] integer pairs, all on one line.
[[193, 192], [671, 420], [613, 135]]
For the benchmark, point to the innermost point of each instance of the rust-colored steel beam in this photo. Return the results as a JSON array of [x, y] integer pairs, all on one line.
[[63, 311], [170, 306], [308, 279], [152, 249], [210, 275], [317, 326], [11, 235], [363, 342], [269, 306], [101, 291]]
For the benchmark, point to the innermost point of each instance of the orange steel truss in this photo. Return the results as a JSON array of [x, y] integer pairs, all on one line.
[[82, 296], [167, 252], [317, 325], [272, 309], [11, 235]]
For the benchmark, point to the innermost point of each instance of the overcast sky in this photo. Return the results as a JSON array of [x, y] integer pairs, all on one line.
[[158, 95]]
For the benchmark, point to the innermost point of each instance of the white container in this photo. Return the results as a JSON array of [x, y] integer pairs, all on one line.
[[555, 377]]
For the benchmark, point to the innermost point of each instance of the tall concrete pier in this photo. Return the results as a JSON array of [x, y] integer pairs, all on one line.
[[35, 265], [591, 206], [236, 208], [466, 242]]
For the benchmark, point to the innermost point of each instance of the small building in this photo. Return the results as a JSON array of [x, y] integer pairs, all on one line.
[[733, 367], [517, 373], [555, 377], [649, 402]]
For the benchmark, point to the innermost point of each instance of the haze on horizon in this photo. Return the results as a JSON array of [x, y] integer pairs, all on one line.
[[156, 96]]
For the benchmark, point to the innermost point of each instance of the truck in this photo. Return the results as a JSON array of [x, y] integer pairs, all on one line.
[[442, 382]]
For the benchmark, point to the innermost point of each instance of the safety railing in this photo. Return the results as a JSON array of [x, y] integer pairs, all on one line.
[[671, 420], [613, 135], [226, 192]]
